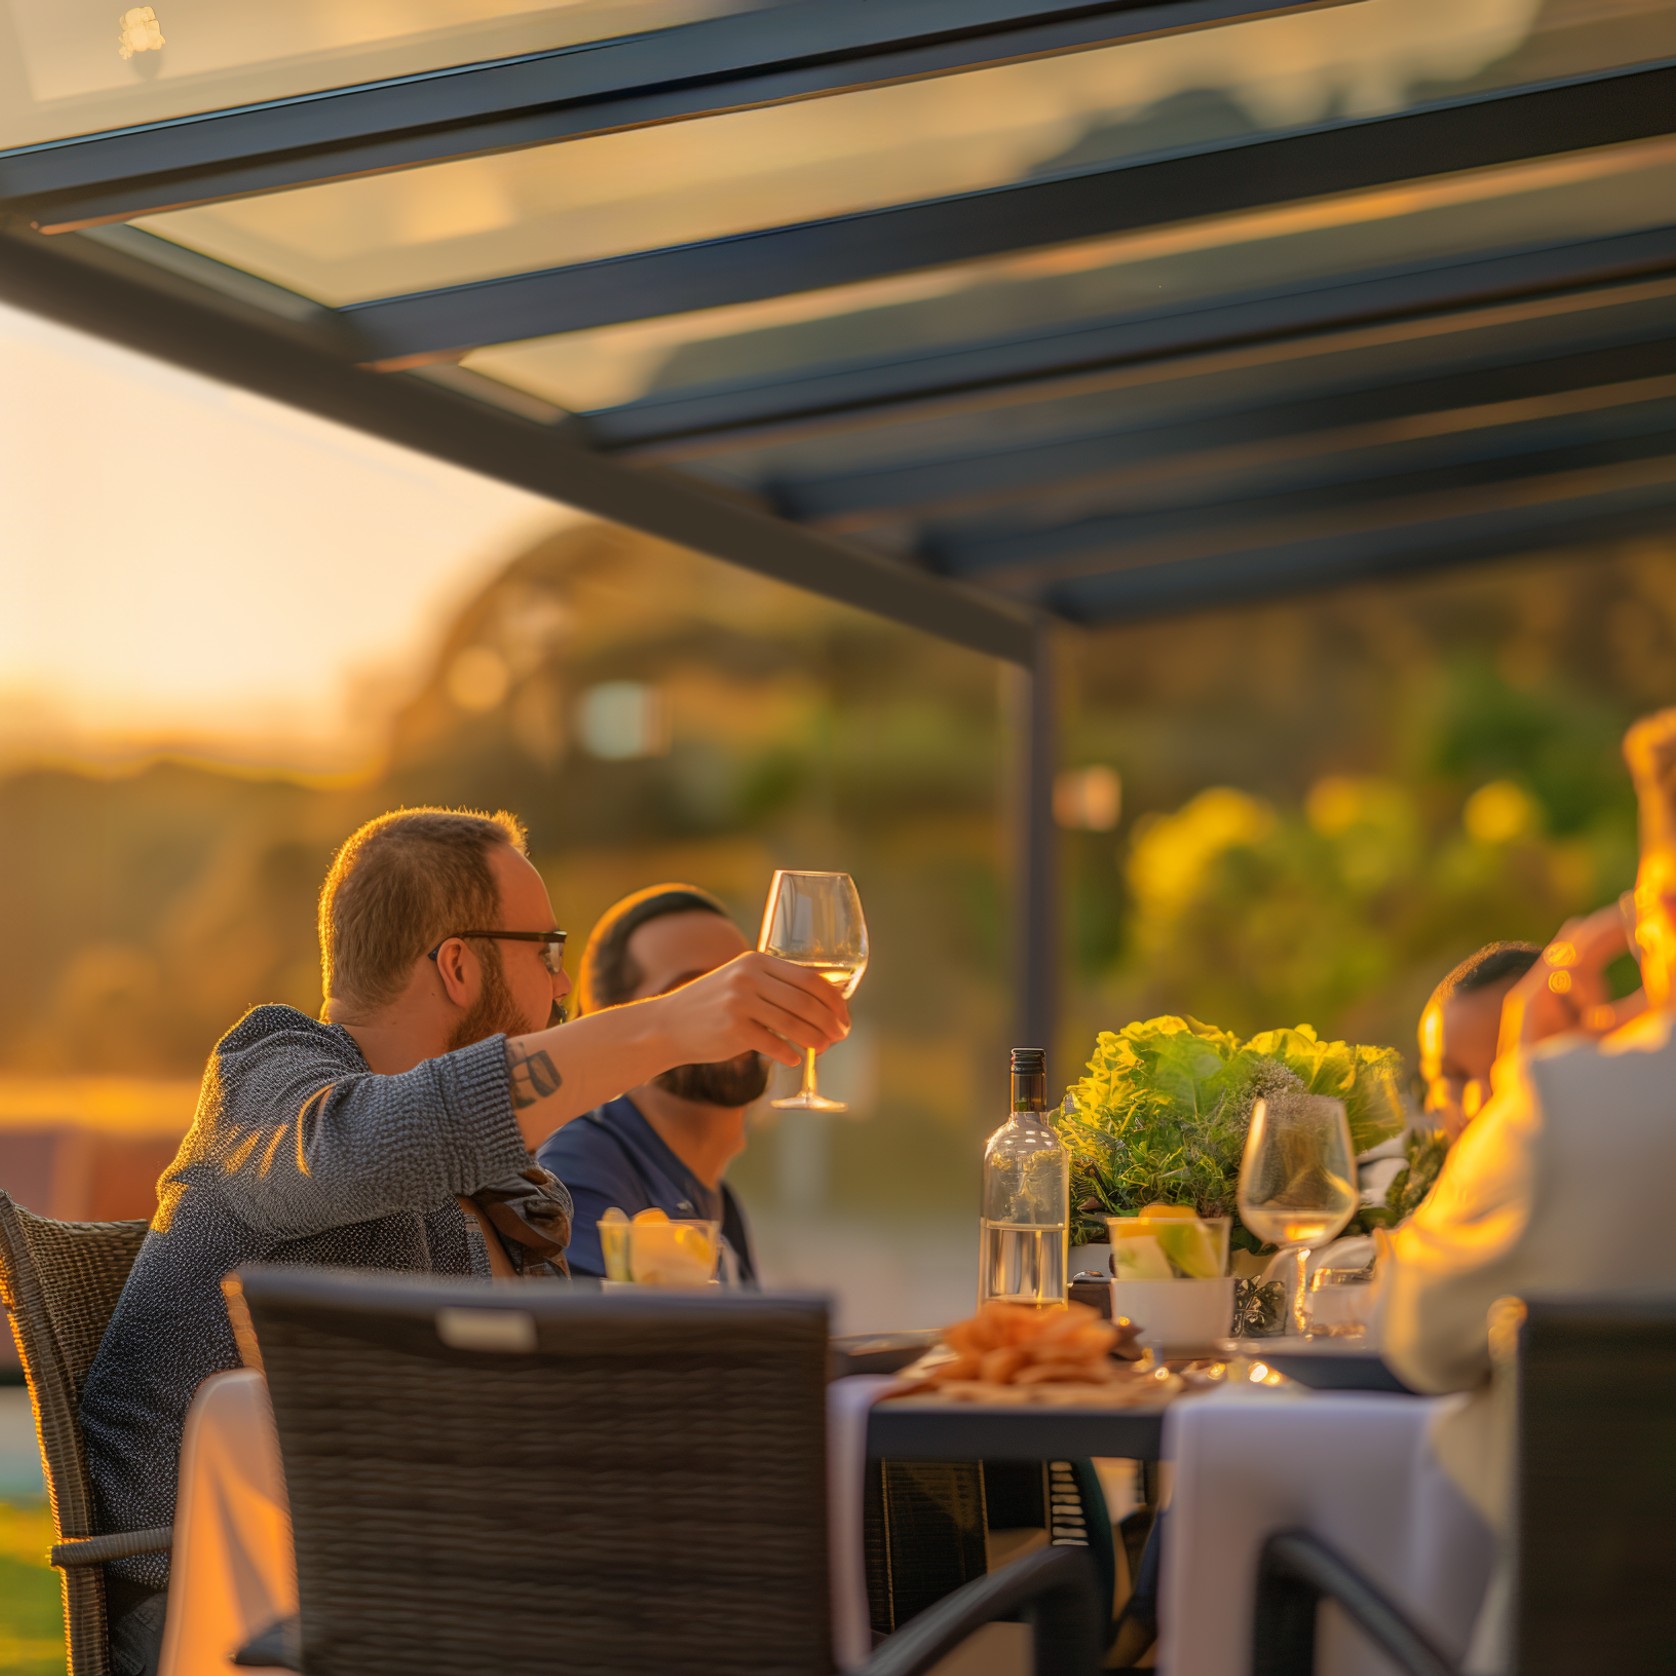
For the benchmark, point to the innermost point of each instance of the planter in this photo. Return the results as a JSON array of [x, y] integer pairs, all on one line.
[[1089, 1259], [1176, 1317]]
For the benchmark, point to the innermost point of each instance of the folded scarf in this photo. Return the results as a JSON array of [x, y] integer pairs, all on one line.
[[531, 1213]]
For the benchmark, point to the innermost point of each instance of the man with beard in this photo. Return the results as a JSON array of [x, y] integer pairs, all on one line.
[[391, 1133], [664, 1145]]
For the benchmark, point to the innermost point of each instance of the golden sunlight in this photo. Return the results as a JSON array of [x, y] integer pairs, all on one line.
[[185, 565]]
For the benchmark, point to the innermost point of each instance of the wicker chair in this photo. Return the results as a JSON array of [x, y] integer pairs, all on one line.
[[1595, 1475], [553, 1481], [60, 1281]]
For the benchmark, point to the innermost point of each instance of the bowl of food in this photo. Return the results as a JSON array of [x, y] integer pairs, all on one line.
[[655, 1249], [1170, 1277]]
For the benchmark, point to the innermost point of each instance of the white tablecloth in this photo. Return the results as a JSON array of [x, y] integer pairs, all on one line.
[[233, 1571], [1355, 1470]]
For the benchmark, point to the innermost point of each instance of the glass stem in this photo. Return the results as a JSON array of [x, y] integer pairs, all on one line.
[[809, 1088], [1300, 1291]]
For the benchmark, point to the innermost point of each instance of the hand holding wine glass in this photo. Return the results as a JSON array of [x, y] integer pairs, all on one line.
[[1297, 1182], [814, 920]]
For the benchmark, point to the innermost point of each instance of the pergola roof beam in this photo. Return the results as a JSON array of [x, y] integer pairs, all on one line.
[[1592, 509], [1455, 410], [1513, 496], [772, 56], [1102, 355], [1447, 138], [104, 289]]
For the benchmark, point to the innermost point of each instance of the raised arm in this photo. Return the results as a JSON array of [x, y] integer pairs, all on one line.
[[754, 1003], [303, 1142], [302, 1138]]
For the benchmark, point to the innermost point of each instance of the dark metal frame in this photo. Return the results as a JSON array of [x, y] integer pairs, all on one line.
[[1513, 392], [104, 290], [1362, 546], [1611, 108], [924, 1431], [1295, 1573], [1368, 503], [1103, 355], [813, 49], [166, 301], [1032, 705]]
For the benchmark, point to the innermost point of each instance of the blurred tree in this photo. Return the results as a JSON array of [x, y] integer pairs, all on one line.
[[1325, 803]]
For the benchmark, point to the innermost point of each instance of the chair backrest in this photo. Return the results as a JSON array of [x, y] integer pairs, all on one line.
[[60, 1282], [530, 1478], [1595, 1487]]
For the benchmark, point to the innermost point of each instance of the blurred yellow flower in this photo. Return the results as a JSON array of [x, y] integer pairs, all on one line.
[[1334, 804], [1499, 812], [1169, 855]]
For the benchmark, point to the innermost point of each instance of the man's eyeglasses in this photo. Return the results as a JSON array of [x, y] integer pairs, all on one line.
[[552, 944]]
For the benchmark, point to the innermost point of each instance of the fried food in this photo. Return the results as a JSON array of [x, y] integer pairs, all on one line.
[[1012, 1344]]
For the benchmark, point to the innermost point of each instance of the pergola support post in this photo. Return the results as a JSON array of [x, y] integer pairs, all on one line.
[[1032, 716]]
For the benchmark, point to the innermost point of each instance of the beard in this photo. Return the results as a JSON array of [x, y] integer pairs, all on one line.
[[729, 1083], [494, 1013]]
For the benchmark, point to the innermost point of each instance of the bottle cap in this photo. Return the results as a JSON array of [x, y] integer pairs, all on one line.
[[1030, 1061]]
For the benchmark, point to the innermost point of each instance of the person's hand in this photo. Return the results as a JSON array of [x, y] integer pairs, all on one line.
[[1566, 990], [754, 1003]]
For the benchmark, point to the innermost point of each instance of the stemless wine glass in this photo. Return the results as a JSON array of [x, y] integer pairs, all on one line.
[[1297, 1183], [814, 920]]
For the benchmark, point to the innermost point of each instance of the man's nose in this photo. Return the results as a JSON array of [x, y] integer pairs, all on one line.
[[561, 985]]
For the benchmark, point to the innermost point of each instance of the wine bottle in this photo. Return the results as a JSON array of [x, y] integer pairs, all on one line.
[[1025, 1241]]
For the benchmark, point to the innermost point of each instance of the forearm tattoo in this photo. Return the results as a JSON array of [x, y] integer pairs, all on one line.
[[534, 1076]]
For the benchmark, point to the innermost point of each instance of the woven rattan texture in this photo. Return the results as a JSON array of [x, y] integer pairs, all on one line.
[[1596, 1486], [60, 1281], [642, 1491]]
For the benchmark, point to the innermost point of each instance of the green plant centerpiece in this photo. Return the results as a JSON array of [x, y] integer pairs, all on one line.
[[1161, 1113]]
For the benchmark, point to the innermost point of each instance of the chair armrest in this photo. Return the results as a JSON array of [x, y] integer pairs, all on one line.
[[1295, 1573], [1055, 1588], [119, 1545]]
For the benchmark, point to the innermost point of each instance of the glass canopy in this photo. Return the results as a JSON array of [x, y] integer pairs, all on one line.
[[68, 69], [608, 195], [1588, 195], [1093, 310]]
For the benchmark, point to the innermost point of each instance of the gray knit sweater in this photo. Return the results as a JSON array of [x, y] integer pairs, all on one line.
[[298, 1153]]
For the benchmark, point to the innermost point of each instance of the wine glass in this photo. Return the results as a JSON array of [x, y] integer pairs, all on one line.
[[814, 920], [1297, 1182]]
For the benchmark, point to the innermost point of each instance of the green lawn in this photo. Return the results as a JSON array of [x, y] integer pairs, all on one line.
[[31, 1620]]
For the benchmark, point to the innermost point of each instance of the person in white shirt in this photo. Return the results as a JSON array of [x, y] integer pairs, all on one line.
[[1561, 1185]]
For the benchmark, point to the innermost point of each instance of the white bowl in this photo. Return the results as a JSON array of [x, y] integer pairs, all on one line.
[[1177, 1316]]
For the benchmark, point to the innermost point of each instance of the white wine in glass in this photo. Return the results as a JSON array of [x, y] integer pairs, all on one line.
[[815, 920], [1297, 1183]]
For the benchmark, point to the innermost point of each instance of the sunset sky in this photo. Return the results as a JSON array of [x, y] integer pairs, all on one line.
[[186, 563]]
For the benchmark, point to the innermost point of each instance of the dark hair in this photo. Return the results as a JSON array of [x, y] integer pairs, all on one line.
[[606, 976], [1493, 964]]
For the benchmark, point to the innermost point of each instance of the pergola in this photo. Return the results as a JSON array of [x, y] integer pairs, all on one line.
[[988, 316]]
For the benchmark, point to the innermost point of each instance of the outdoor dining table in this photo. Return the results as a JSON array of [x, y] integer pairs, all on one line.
[[1354, 1467], [922, 1430]]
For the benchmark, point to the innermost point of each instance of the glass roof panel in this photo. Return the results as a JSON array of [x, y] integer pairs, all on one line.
[[453, 223], [920, 317], [67, 67]]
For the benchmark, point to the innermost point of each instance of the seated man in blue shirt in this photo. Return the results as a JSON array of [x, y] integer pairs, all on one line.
[[665, 1144]]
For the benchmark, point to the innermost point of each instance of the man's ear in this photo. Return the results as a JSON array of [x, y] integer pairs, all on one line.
[[457, 967]]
